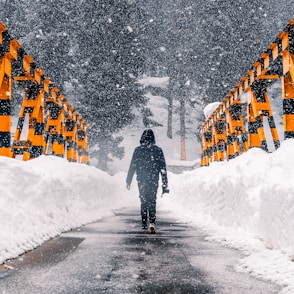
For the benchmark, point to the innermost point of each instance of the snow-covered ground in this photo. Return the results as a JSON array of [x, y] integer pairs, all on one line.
[[246, 203]]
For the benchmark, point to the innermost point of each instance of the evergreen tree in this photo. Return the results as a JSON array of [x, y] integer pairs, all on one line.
[[109, 74]]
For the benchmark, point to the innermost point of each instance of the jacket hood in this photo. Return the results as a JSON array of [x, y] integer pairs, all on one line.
[[147, 137]]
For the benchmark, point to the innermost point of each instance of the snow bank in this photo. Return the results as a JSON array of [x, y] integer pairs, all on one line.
[[43, 197], [247, 203]]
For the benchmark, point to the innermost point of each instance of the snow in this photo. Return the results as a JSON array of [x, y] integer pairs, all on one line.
[[43, 197], [210, 108], [160, 82], [244, 97], [247, 203]]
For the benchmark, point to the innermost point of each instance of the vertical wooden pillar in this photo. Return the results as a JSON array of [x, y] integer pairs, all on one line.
[[5, 105], [5, 90], [288, 105]]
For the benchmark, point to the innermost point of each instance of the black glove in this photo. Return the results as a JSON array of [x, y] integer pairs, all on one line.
[[165, 189]]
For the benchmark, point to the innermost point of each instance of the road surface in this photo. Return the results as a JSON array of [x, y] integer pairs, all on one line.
[[114, 255]]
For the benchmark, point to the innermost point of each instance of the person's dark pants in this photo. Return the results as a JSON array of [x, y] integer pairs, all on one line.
[[148, 193]]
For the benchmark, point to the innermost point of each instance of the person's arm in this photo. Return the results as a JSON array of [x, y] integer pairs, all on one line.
[[132, 170]]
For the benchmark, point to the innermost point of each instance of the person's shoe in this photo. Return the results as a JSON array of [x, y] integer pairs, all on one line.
[[144, 227], [152, 228]]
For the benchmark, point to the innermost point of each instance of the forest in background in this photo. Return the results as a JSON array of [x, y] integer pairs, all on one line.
[[96, 51]]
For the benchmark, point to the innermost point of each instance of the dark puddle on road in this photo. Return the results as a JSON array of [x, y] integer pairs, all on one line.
[[52, 251]]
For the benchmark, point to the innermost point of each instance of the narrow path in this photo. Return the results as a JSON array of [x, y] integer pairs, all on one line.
[[115, 256]]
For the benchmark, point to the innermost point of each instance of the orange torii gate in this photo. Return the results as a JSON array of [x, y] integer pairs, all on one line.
[[53, 124], [277, 62]]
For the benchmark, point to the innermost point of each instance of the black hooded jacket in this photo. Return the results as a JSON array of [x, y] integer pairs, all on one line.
[[147, 161]]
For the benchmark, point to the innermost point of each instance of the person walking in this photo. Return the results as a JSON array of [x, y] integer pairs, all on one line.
[[148, 162]]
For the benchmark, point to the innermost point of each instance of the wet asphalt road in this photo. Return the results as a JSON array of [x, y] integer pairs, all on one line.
[[115, 256]]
